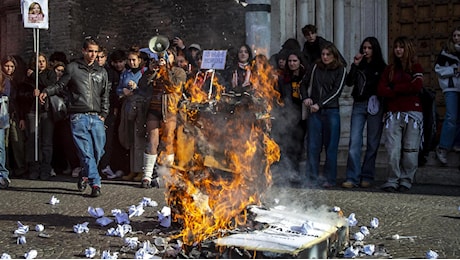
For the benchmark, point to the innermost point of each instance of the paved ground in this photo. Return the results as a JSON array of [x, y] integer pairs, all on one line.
[[429, 212]]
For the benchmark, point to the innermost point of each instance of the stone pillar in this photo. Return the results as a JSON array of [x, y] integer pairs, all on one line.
[[258, 26], [305, 15], [339, 25]]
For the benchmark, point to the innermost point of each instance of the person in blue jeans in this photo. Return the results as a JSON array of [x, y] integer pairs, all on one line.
[[87, 86], [447, 70], [4, 173], [320, 93], [364, 76]]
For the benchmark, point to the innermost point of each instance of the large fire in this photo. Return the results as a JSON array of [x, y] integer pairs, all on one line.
[[223, 153]]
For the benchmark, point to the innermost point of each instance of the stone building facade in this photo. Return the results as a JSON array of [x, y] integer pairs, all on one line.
[[217, 24], [225, 24]]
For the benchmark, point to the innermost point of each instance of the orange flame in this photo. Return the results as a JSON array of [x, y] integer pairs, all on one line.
[[223, 158]]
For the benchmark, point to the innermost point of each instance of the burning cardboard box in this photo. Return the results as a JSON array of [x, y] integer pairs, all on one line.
[[290, 234]]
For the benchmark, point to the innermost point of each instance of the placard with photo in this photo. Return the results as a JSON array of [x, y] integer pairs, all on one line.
[[35, 13]]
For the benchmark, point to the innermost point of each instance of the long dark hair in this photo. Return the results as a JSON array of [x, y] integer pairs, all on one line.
[[8, 59], [288, 73], [450, 43], [249, 51], [377, 55]]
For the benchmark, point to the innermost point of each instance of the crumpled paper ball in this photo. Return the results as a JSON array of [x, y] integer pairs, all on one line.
[[165, 217], [148, 202], [106, 255], [352, 220], [135, 211], [54, 201], [369, 249], [90, 252], [147, 251], [132, 242], [21, 240], [39, 228], [358, 236], [351, 252], [431, 254], [364, 230], [120, 231], [31, 254], [374, 223], [80, 228], [22, 229], [306, 226]]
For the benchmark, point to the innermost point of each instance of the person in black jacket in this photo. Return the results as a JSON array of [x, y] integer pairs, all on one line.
[[364, 76], [16, 156], [39, 164], [320, 92], [314, 44], [87, 85]]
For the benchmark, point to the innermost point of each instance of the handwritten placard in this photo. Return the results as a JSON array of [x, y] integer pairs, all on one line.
[[214, 59]]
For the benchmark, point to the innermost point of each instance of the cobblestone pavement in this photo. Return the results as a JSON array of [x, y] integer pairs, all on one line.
[[429, 212]]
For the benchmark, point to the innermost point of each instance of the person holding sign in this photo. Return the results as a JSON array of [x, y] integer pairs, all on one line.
[[41, 168]]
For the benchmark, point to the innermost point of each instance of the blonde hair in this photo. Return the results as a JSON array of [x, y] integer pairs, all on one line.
[[31, 7]]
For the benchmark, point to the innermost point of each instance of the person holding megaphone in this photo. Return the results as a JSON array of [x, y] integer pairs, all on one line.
[[162, 87]]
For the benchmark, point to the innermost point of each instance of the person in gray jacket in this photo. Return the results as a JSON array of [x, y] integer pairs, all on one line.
[[87, 86]]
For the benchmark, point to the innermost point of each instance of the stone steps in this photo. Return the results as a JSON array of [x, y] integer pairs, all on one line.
[[431, 173]]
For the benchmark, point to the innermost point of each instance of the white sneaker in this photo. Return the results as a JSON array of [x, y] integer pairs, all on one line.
[[52, 173], [108, 171], [76, 172], [119, 174]]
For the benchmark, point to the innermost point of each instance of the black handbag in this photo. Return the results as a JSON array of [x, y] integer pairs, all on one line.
[[58, 108]]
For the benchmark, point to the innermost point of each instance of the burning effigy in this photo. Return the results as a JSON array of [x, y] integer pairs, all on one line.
[[223, 153]]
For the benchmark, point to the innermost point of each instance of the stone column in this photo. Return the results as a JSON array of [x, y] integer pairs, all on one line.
[[339, 25], [258, 26]]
